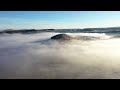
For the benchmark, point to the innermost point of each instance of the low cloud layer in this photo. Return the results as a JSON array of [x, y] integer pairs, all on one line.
[[22, 57]]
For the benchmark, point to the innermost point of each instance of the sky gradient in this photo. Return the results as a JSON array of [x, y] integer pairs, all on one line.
[[58, 19]]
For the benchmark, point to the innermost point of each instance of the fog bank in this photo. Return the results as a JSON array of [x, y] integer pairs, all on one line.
[[26, 56]]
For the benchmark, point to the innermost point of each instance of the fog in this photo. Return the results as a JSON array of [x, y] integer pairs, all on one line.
[[34, 56]]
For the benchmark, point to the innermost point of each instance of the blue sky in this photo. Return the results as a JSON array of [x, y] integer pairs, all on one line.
[[58, 19]]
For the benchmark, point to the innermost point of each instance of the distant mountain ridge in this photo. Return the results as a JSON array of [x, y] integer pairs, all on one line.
[[85, 30]]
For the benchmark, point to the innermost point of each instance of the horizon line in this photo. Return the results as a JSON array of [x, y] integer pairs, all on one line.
[[62, 28]]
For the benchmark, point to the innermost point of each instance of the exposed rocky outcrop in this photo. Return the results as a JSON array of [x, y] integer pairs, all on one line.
[[61, 37], [66, 37]]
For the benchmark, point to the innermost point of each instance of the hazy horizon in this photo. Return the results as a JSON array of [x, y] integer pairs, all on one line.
[[60, 28]]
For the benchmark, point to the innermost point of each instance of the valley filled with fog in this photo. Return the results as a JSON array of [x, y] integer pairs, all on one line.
[[34, 56]]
